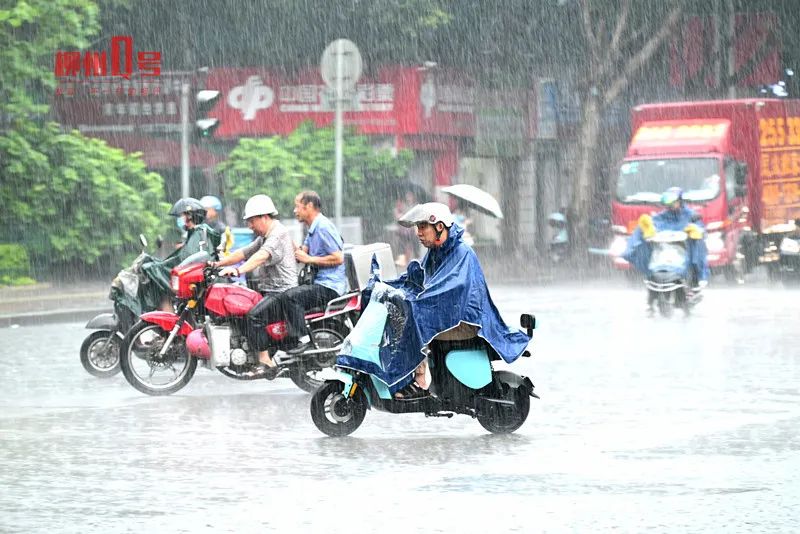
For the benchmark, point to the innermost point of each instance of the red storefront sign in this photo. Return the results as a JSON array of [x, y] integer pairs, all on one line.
[[397, 101], [756, 46], [109, 104]]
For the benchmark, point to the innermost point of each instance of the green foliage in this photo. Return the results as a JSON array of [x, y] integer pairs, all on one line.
[[15, 267], [31, 32], [74, 201], [282, 167]]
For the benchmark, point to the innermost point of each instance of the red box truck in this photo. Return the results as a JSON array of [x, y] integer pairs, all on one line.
[[738, 163]]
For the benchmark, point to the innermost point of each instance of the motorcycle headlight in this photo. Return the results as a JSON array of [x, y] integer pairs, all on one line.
[[175, 283], [715, 242], [790, 246]]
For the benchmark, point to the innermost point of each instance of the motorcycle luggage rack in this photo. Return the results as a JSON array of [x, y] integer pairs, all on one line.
[[339, 306]]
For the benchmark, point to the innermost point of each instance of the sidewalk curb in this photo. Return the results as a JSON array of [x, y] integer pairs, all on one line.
[[49, 317]]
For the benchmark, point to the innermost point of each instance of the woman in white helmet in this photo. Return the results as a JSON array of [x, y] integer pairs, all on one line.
[[273, 251]]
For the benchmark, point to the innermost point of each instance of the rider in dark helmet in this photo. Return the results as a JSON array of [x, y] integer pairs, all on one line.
[[191, 209]]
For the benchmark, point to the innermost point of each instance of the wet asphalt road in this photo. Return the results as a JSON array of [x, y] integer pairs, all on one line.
[[678, 425]]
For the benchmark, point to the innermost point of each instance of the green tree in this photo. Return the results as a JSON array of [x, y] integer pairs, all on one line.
[[283, 166], [620, 39], [74, 202], [31, 32]]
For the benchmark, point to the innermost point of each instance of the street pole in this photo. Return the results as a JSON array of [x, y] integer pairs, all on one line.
[[184, 140], [339, 128]]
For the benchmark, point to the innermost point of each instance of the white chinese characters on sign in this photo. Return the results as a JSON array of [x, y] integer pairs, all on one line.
[[140, 109], [254, 95]]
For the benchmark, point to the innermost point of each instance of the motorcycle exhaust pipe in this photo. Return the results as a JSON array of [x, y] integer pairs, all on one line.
[[310, 352]]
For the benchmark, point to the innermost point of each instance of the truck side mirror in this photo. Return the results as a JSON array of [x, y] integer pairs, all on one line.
[[741, 180]]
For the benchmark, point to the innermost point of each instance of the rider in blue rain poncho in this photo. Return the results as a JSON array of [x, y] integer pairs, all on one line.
[[443, 297], [676, 217]]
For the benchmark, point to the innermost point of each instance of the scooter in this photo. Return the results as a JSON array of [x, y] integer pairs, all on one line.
[[558, 248], [99, 352], [666, 282], [464, 382]]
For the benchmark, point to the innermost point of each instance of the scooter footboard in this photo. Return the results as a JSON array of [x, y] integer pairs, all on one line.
[[516, 381], [665, 287]]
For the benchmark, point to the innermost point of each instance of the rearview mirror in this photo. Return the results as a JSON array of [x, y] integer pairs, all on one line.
[[159, 241], [143, 240], [528, 322]]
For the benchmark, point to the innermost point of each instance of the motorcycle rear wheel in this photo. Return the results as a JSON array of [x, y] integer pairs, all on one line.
[[98, 362], [502, 418], [326, 334], [334, 414], [140, 361]]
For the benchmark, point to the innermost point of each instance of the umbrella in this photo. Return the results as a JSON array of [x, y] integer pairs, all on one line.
[[475, 197]]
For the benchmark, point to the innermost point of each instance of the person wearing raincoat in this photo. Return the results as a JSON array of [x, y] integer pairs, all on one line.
[[213, 207], [199, 238], [676, 217], [446, 298]]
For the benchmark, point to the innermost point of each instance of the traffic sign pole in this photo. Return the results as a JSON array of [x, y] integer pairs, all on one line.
[[341, 68], [339, 132]]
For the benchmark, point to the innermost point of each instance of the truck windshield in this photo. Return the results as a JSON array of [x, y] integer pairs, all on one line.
[[646, 180]]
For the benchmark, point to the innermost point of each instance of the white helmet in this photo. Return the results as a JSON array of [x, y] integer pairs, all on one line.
[[259, 205], [430, 212]]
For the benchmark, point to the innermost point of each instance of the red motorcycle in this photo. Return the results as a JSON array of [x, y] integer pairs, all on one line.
[[160, 353]]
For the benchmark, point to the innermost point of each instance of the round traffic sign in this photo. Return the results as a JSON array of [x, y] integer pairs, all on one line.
[[349, 68]]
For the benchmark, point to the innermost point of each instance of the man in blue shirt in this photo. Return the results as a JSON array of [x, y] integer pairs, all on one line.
[[322, 251]]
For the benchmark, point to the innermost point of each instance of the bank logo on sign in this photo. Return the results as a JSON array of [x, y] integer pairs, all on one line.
[[251, 97]]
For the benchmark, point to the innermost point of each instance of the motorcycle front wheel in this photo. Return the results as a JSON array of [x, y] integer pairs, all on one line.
[[149, 372], [100, 354], [326, 335], [501, 418], [333, 413]]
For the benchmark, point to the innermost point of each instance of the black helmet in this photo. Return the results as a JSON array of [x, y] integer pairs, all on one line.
[[192, 206]]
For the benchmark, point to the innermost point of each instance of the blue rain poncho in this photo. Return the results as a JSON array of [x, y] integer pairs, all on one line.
[[638, 250], [447, 288]]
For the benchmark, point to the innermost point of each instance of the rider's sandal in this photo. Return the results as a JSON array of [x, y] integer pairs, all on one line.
[[411, 392], [265, 371]]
